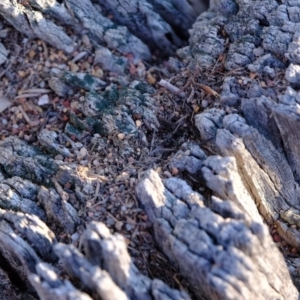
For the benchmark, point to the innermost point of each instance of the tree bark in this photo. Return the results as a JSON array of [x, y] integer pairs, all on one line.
[[249, 161]]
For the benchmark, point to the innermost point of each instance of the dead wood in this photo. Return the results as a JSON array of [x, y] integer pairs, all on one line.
[[219, 243], [223, 253]]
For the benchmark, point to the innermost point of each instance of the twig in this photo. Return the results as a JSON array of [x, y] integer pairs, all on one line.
[[31, 123], [191, 96], [152, 141], [64, 196], [208, 90], [172, 88], [179, 122]]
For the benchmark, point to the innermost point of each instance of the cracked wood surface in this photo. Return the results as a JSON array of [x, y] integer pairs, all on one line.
[[223, 253], [219, 243]]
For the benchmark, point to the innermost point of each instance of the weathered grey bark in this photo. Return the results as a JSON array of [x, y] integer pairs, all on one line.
[[143, 23], [221, 246], [31, 185], [27, 246], [265, 142], [223, 253]]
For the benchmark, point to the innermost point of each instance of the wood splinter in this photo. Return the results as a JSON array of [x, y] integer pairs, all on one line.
[[172, 88]]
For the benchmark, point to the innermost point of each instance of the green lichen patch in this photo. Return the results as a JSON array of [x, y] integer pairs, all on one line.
[[77, 122], [73, 131], [111, 93], [96, 104], [83, 80], [143, 87]]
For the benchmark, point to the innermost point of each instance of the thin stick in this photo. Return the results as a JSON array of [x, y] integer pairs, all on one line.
[[172, 88]]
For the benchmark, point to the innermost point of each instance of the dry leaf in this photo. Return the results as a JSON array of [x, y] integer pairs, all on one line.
[[208, 90]]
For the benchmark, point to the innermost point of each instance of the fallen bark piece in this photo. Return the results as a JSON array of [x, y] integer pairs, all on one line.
[[10, 199], [54, 9], [109, 61], [258, 114], [185, 11], [287, 118], [32, 230], [28, 247], [264, 170], [268, 158], [4, 104], [103, 30], [208, 123], [140, 17], [83, 80], [58, 86], [33, 24], [115, 108], [59, 211], [172, 88], [222, 177], [110, 253], [224, 256], [257, 182], [189, 158], [49, 140], [48, 285], [94, 279], [17, 158]]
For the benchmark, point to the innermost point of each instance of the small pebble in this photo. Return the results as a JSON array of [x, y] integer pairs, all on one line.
[[78, 145], [75, 237], [42, 84], [110, 221], [97, 72], [27, 138], [31, 54], [174, 171], [86, 40], [167, 174], [47, 64], [73, 67], [21, 73], [44, 99], [129, 227], [121, 136], [96, 162], [204, 103]]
